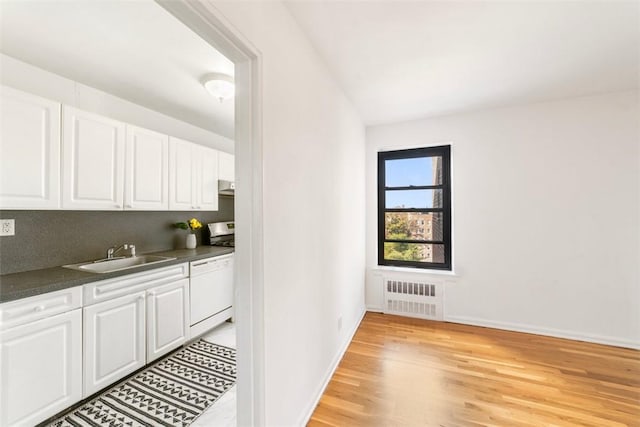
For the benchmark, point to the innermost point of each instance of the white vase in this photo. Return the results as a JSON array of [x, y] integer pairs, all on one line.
[[191, 241]]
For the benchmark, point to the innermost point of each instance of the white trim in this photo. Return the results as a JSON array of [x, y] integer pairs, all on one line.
[[308, 412], [414, 146], [204, 19], [420, 271], [558, 333], [374, 309]]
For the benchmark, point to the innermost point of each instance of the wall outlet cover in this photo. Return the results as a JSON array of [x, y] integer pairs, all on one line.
[[7, 227]]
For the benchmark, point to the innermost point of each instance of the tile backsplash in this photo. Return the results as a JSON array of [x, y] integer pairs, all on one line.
[[46, 239]]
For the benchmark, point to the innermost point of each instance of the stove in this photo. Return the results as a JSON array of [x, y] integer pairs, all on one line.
[[222, 233]]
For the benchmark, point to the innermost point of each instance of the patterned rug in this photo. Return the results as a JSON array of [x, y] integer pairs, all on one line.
[[172, 392]]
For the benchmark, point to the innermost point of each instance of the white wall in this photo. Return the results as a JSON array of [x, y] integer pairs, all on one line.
[[314, 199], [546, 215], [28, 78]]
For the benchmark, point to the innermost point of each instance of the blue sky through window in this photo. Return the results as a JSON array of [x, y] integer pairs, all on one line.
[[406, 172]]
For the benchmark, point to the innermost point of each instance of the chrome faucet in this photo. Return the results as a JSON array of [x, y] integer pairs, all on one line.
[[112, 251]]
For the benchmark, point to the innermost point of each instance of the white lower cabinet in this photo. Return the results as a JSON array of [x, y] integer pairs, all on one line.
[[167, 318], [114, 344], [41, 368], [130, 321], [60, 347]]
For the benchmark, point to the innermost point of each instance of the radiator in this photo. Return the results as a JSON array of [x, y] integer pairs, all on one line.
[[414, 298]]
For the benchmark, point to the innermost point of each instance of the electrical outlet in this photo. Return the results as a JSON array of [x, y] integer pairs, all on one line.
[[7, 227], [340, 323]]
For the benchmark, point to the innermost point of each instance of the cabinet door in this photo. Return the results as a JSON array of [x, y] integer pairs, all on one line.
[[182, 191], [226, 166], [93, 161], [146, 170], [114, 340], [167, 319], [41, 369], [29, 151], [207, 179]]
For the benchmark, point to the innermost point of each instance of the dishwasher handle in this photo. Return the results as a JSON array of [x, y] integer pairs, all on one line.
[[211, 264], [197, 264]]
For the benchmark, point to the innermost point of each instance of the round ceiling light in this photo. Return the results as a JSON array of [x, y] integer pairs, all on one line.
[[219, 85]]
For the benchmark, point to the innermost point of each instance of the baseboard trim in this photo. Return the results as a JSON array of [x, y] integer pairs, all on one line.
[[558, 333], [332, 369], [374, 309]]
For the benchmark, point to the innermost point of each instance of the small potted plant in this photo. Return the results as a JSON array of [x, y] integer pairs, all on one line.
[[192, 225]]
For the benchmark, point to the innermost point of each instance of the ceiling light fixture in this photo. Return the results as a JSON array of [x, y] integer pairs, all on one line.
[[219, 85]]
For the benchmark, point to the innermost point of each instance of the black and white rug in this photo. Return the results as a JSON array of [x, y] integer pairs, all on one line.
[[171, 392]]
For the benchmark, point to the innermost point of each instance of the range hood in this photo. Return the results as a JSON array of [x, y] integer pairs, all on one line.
[[226, 188]]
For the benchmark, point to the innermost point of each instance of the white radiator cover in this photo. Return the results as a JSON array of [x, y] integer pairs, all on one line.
[[419, 298]]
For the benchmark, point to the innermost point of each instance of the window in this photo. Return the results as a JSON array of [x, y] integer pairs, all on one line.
[[414, 187]]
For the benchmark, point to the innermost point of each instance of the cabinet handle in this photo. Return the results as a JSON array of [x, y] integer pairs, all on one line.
[[152, 294], [140, 298], [118, 206], [39, 308], [128, 206]]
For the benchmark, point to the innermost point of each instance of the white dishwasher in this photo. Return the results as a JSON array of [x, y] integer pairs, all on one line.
[[211, 292]]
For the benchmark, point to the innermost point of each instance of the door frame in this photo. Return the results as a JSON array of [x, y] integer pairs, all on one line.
[[208, 22]]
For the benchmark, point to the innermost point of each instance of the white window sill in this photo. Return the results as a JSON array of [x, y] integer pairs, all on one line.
[[383, 268]]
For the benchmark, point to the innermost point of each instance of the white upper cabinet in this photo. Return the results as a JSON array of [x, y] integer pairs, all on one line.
[[146, 170], [226, 166], [193, 176], [29, 151], [181, 182], [207, 179], [93, 149], [54, 156]]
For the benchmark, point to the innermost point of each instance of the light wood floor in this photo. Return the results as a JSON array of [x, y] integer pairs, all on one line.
[[408, 372]]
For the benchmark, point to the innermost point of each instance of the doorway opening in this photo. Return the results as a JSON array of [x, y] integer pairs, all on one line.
[[98, 87], [211, 26]]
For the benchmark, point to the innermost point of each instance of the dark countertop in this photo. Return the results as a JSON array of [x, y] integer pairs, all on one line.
[[30, 283]]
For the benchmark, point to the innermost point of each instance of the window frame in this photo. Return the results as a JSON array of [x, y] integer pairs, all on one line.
[[443, 151]]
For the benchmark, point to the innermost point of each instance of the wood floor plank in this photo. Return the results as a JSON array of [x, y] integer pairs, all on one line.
[[400, 371]]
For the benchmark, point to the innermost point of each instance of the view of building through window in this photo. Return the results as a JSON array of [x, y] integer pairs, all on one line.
[[416, 225], [413, 226]]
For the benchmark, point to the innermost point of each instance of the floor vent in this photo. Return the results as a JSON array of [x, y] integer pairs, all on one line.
[[413, 298]]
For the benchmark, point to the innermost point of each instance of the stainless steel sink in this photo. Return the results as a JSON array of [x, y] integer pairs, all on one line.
[[117, 264]]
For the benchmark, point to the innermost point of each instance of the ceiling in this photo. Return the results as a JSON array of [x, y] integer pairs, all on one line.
[[396, 60], [402, 60], [132, 49]]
